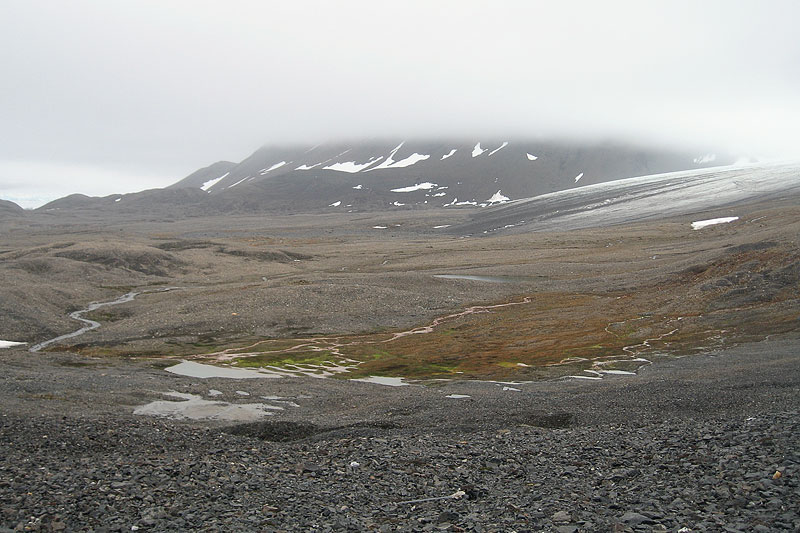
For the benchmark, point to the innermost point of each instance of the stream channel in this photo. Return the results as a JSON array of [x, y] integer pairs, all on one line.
[[89, 325]]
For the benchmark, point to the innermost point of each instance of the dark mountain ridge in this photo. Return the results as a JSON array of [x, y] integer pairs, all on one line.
[[380, 175]]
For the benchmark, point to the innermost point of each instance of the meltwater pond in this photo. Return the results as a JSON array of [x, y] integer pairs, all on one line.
[[487, 279]]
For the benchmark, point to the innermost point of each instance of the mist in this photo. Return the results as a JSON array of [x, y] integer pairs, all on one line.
[[104, 97]]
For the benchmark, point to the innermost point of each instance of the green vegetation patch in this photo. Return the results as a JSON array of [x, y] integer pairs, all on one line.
[[287, 359]]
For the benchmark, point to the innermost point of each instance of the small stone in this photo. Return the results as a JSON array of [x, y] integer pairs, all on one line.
[[634, 519]]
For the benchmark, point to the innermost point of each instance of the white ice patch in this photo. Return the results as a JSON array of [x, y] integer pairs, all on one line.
[[498, 149], [210, 183], [118, 200], [397, 204], [707, 158], [273, 167], [532, 157], [351, 166], [358, 187], [458, 396], [710, 222], [418, 187], [380, 227], [9, 344], [336, 204], [578, 177], [194, 407], [478, 150], [440, 194], [498, 198], [383, 380], [512, 389], [445, 156], [214, 392], [442, 226], [307, 167]]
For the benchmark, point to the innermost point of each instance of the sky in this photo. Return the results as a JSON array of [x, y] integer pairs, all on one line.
[[113, 96]]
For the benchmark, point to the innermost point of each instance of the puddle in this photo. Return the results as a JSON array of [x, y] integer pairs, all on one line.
[[382, 380], [279, 399], [198, 370], [487, 279], [194, 407]]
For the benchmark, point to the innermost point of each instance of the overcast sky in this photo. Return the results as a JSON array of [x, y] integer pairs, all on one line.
[[109, 96]]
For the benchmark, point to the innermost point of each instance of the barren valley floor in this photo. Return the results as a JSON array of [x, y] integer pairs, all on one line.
[[684, 413]]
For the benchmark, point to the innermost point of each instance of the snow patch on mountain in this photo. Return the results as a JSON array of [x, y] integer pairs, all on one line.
[[336, 204], [307, 167], [238, 182], [578, 177], [456, 202], [389, 160], [498, 198], [273, 167], [478, 150], [498, 149], [353, 167], [408, 161], [532, 157], [210, 183], [445, 156], [418, 187], [358, 187]]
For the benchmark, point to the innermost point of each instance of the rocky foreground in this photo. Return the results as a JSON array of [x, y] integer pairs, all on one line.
[[703, 443]]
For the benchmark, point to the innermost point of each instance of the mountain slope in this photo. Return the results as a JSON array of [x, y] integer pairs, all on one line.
[[426, 174], [10, 209], [379, 175], [199, 177]]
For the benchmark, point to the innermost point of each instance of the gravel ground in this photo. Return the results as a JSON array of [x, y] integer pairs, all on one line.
[[704, 443]]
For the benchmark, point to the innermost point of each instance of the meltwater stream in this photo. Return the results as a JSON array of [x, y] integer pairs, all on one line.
[[92, 324]]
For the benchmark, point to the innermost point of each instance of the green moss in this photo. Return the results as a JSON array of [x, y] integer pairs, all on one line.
[[283, 359]]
